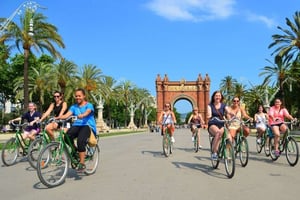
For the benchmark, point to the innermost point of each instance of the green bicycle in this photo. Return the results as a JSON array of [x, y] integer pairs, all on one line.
[[241, 146], [225, 151], [167, 143], [288, 144], [38, 144], [196, 136], [15, 147], [264, 141], [55, 159]]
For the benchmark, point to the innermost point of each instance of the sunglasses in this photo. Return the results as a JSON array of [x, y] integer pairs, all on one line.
[[167, 106], [236, 100], [56, 96]]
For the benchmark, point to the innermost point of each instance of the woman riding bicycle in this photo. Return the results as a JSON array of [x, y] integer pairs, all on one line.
[[167, 119], [196, 121], [216, 109], [277, 114], [261, 121], [82, 126], [238, 112], [32, 117], [58, 107]]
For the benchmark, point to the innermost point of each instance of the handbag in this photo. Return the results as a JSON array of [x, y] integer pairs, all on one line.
[[92, 141]]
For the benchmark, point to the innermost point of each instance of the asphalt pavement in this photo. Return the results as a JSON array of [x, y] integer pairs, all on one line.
[[132, 167]]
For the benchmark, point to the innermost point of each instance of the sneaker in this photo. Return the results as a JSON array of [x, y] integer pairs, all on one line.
[[193, 139], [200, 147], [258, 141], [277, 153], [81, 167], [172, 139], [214, 156], [267, 148]]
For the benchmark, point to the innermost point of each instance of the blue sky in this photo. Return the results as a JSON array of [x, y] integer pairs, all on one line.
[[137, 39]]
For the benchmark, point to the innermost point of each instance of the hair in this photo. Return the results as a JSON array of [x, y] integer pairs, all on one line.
[[169, 104], [80, 90], [34, 105], [212, 99], [56, 91], [264, 110]]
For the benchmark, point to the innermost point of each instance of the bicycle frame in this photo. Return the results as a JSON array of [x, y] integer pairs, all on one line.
[[11, 149]]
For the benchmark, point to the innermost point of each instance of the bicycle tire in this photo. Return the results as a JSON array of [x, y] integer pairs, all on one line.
[[259, 146], [53, 165], [266, 146], [196, 141], [243, 151], [92, 159], [10, 152], [272, 149], [33, 151], [229, 159], [166, 145], [214, 163], [292, 151]]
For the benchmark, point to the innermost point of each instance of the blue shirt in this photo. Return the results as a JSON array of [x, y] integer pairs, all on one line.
[[88, 120]]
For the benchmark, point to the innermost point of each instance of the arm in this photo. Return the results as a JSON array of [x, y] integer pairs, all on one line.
[[208, 115], [63, 109], [174, 118], [85, 114], [65, 116], [189, 121], [47, 113]]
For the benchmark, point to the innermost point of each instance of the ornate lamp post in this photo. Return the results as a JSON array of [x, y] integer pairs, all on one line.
[[31, 5]]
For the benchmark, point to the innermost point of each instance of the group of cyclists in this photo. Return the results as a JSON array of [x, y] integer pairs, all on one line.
[[217, 111], [81, 128]]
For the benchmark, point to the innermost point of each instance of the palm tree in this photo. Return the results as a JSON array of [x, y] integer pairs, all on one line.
[[290, 41], [90, 79], [43, 38], [280, 71], [227, 86], [64, 76]]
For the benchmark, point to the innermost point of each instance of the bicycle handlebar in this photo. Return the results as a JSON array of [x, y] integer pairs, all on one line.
[[18, 125]]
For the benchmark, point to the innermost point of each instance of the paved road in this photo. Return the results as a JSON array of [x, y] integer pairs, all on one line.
[[132, 167]]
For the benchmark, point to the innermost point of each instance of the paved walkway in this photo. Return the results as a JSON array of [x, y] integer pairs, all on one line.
[[132, 167]]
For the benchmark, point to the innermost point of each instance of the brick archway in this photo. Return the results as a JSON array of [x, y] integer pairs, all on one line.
[[196, 92]]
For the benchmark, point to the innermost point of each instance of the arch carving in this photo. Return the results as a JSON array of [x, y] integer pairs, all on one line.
[[196, 92]]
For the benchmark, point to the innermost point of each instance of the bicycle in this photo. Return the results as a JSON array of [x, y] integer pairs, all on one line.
[[196, 137], [264, 141], [225, 151], [288, 144], [166, 142], [11, 148], [56, 157], [38, 144], [241, 146]]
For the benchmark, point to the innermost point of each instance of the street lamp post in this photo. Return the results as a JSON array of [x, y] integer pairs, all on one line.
[[31, 5]]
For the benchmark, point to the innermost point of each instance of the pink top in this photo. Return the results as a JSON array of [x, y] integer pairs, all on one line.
[[277, 114]]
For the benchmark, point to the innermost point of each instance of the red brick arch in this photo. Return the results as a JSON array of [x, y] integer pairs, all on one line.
[[196, 92]]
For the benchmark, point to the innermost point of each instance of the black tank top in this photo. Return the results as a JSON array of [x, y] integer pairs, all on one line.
[[57, 109]]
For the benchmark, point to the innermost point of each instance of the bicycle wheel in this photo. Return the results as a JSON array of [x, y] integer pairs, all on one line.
[[243, 151], [166, 145], [229, 159], [10, 152], [292, 151], [196, 141], [91, 159], [272, 149], [260, 145], [214, 163], [52, 165], [266, 146], [34, 151]]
